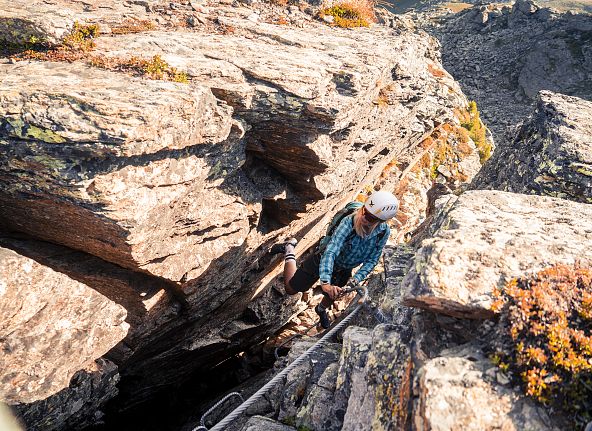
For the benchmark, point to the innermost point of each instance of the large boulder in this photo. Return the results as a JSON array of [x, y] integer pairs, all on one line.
[[486, 238], [43, 315], [460, 390], [116, 166], [551, 155]]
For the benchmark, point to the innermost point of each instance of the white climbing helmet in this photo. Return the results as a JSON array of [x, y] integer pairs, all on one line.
[[383, 205]]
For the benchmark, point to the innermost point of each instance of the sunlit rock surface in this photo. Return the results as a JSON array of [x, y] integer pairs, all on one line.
[[44, 314], [166, 196], [486, 238]]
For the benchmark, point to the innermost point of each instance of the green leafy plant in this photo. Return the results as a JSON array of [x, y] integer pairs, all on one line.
[[471, 121]]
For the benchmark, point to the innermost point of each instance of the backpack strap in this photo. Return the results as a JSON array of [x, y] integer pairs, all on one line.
[[347, 211]]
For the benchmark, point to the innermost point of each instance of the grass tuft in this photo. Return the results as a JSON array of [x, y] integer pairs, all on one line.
[[471, 121], [152, 68], [133, 25]]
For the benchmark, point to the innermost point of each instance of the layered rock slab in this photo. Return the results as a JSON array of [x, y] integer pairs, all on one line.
[[551, 154], [150, 303], [24, 23], [126, 162], [486, 238], [43, 315], [315, 107]]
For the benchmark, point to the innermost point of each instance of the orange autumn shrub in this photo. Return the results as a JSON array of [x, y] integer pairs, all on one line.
[[546, 341]]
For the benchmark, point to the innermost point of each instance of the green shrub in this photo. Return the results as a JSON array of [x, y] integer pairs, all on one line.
[[81, 37], [477, 131]]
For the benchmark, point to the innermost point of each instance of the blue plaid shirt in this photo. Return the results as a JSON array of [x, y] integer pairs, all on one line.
[[347, 250]]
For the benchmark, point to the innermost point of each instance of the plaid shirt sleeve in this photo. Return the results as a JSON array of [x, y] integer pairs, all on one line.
[[369, 264], [334, 248]]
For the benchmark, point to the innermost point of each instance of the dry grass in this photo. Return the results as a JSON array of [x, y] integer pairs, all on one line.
[[79, 43], [471, 121], [349, 14], [75, 46], [153, 68], [133, 25], [281, 21]]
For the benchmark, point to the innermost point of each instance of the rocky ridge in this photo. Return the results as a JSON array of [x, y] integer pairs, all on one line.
[[550, 154], [145, 184], [536, 48]]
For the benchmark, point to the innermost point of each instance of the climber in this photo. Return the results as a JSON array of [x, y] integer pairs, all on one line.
[[357, 238]]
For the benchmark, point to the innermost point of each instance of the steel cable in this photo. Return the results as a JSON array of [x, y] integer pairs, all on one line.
[[275, 380]]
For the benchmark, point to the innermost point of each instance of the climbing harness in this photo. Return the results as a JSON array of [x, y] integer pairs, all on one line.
[[363, 301]]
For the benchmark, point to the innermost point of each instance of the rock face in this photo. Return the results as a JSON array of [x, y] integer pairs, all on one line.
[[151, 188], [455, 392], [45, 313], [486, 238], [364, 383], [124, 166], [38, 22], [536, 48], [445, 382], [551, 155], [165, 196]]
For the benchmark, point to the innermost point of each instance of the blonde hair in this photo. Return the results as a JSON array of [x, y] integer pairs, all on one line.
[[360, 229]]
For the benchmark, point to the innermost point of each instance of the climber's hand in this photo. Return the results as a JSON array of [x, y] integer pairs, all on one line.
[[332, 291]]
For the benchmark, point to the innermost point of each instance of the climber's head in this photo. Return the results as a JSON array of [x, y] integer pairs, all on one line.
[[380, 206]]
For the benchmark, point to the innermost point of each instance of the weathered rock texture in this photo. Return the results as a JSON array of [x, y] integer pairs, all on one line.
[[52, 329], [486, 238], [188, 183], [535, 48], [381, 382], [113, 158], [551, 155], [261, 423], [363, 384], [23, 23], [456, 392]]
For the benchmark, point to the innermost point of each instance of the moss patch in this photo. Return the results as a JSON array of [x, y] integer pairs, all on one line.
[[19, 129]]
